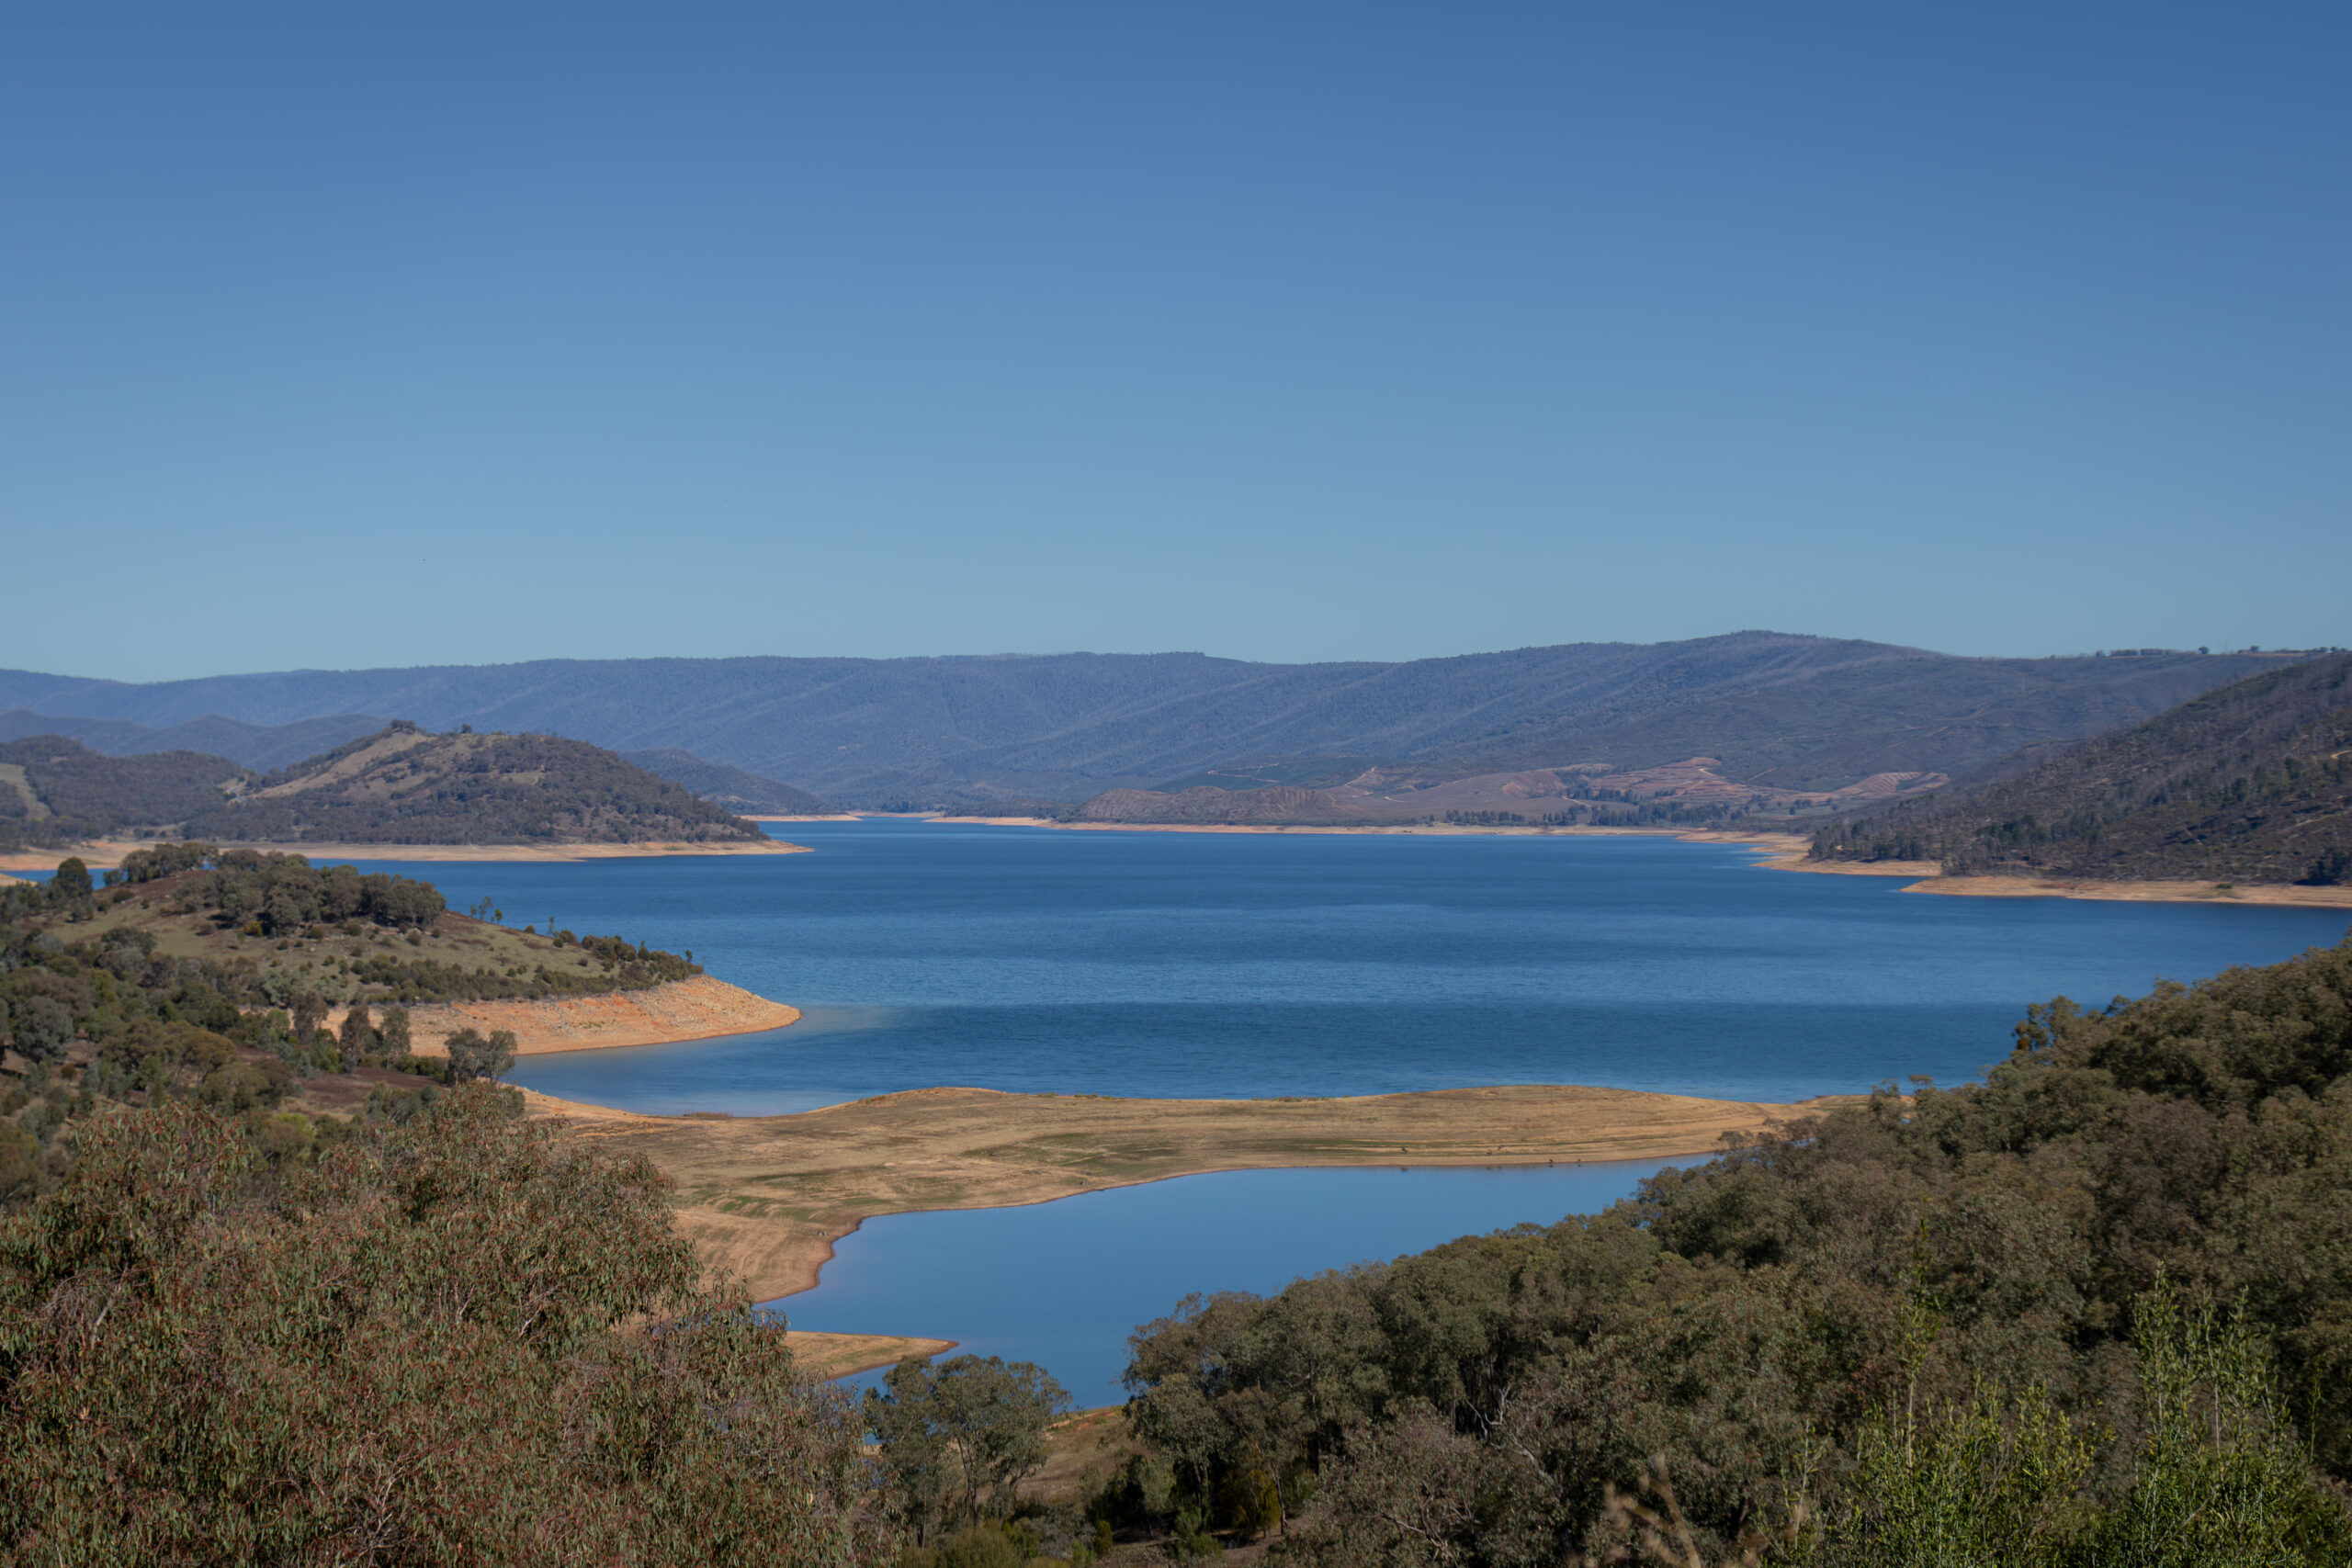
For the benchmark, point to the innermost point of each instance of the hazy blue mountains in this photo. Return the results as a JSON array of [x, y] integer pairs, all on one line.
[[1812, 711]]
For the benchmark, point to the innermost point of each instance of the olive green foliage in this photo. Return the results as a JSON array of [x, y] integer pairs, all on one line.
[[957, 1438], [467, 1341], [282, 893], [474, 1055], [1931, 1324], [2250, 782]]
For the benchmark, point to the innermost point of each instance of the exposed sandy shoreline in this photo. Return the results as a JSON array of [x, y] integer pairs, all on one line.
[[106, 852], [766, 1197], [823, 1356], [702, 1007], [2138, 892]]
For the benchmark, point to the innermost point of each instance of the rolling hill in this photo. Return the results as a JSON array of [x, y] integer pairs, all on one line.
[[401, 785], [2250, 782], [1797, 712]]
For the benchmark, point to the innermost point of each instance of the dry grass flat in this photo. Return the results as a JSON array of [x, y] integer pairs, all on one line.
[[766, 1197], [824, 1355]]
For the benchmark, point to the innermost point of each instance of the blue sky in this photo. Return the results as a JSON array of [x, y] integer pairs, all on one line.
[[338, 335]]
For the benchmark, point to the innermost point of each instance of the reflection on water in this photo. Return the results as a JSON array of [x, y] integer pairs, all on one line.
[[1063, 1283]]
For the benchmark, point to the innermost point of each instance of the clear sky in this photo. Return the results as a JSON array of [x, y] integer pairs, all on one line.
[[342, 333]]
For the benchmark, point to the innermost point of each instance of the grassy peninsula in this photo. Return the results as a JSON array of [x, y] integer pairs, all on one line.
[[769, 1195]]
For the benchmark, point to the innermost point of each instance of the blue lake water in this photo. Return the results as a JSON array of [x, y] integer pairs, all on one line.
[[1063, 1283], [1212, 965], [1203, 965]]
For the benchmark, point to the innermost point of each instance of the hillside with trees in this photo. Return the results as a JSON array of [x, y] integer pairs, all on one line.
[[406, 787], [57, 791], [2251, 782], [733, 788], [1808, 712], [2092, 1311], [398, 785], [269, 1294]]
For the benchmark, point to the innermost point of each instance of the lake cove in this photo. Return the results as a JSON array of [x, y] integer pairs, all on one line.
[[1063, 1284], [1171, 965]]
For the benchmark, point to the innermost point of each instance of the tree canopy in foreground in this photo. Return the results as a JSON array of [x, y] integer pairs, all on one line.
[[468, 1340]]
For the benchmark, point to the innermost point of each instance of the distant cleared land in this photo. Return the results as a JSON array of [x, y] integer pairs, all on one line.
[[766, 1197], [2251, 784], [1777, 711]]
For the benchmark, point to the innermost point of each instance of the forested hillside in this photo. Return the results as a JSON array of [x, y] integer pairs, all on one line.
[[401, 785], [2251, 782], [269, 1294], [733, 788], [405, 786], [54, 791], [2095, 1311], [1811, 712]]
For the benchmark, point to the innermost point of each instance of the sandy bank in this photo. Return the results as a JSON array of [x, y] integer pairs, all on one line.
[[825, 1356], [766, 1197], [106, 852], [699, 1008], [2137, 892]]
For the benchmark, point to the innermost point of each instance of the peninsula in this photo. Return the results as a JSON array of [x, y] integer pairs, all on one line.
[[766, 1197]]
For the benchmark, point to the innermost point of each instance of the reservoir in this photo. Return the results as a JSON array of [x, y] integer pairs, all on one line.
[[1204, 964], [1212, 964]]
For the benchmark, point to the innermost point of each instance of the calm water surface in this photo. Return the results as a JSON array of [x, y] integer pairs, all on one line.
[[1215, 964], [1204, 964], [1063, 1284]]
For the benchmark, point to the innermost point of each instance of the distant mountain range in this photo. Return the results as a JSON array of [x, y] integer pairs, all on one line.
[[2251, 782], [732, 787], [1774, 711], [247, 745]]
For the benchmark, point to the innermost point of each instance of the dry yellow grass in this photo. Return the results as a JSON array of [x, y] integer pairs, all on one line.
[[766, 1197], [822, 1356]]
